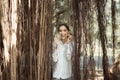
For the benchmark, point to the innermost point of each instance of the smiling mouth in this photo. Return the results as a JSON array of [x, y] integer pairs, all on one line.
[[62, 36]]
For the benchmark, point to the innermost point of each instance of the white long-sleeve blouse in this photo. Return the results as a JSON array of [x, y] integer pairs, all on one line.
[[62, 59]]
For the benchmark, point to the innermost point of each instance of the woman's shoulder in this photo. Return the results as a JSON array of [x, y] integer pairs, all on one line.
[[71, 42]]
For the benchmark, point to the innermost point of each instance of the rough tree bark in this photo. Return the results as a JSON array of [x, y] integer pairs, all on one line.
[[77, 42], [113, 9], [45, 36], [102, 26], [5, 18], [13, 39]]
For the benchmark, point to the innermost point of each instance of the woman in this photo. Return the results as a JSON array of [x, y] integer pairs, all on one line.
[[62, 52]]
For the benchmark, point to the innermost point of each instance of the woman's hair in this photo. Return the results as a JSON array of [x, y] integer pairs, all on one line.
[[67, 27]]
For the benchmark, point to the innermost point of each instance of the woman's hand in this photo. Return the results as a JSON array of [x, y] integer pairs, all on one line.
[[69, 38], [56, 42]]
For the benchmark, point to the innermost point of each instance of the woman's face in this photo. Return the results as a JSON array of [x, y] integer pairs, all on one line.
[[63, 32]]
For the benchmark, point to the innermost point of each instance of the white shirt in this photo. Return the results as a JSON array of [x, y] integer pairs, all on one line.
[[62, 59]]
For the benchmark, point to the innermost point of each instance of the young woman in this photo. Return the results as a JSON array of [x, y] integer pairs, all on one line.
[[62, 52]]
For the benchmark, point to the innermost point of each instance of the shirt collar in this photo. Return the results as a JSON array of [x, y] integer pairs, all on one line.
[[62, 42]]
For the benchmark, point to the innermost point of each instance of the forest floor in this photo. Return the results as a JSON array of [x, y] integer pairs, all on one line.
[[99, 75]]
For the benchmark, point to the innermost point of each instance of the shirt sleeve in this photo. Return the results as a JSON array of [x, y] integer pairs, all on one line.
[[55, 53], [69, 51]]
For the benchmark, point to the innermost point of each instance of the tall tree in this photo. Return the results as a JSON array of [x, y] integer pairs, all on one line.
[[5, 24], [77, 25], [102, 28], [113, 9], [45, 38]]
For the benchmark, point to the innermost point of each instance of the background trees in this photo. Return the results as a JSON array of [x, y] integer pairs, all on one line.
[[27, 29]]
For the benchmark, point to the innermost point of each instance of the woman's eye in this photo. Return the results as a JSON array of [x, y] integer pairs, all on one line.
[[65, 30], [60, 31]]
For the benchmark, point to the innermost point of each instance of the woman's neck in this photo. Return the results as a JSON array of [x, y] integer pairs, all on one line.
[[64, 41]]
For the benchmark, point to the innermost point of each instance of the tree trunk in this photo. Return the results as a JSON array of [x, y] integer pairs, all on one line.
[[13, 49], [113, 8], [77, 34], [45, 36], [102, 26]]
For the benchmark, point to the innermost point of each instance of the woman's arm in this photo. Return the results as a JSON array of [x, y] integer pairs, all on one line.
[[55, 52], [69, 51]]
